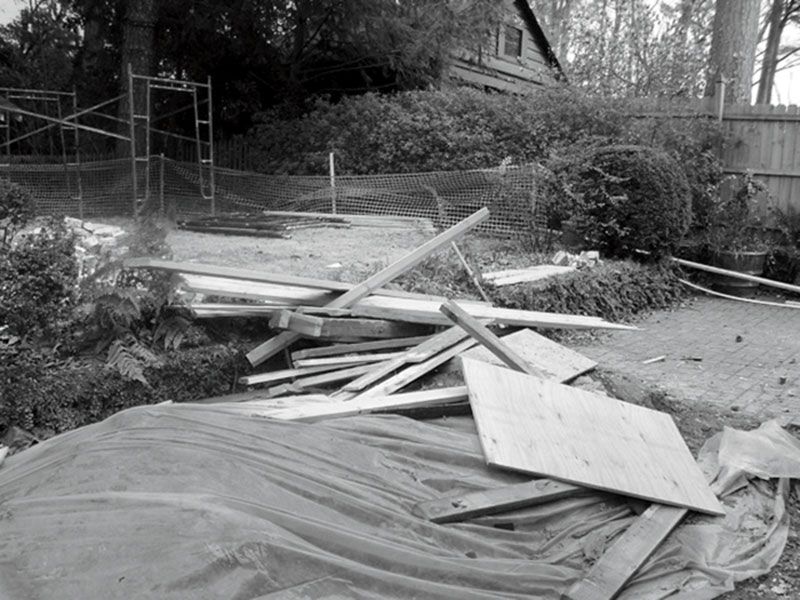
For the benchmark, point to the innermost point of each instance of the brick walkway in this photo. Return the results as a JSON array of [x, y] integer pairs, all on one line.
[[744, 375]]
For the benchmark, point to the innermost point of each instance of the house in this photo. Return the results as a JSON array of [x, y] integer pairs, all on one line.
[[518, 59]]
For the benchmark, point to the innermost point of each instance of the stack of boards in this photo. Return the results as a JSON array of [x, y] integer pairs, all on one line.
[[370, 343], [281, 224]]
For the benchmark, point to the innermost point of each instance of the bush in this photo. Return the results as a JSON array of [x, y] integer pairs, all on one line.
[[17, 207], [47, 399], [615, 291], [622, 198], [38, 279]]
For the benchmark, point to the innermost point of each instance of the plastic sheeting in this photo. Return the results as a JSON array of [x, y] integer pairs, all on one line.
[[198, 501]]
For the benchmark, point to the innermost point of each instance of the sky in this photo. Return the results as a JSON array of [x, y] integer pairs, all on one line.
[[787, 82]]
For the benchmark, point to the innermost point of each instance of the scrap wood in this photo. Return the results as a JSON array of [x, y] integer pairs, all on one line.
[[283, 374], [470, 272], [350, 359], [414, 372], [270, 233], [362, 290], [415, 310], [362, 220], [338, 328], [262, 397], [486, 338], [700, 288], [460, 507], [358, 347], [556, 361], [201, 310], [737, 275], [264, 292], [527, 275], [303, 383], [629, 552], [548, 429], [316, 411], [417, 354], [655, 359]]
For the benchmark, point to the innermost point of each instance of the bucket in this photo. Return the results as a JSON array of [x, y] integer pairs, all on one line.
[[750, 263]]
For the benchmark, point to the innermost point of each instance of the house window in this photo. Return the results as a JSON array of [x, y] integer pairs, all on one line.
[[513, 42]]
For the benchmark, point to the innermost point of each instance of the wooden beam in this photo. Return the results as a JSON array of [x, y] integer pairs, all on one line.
[[628, 553], [338, 349], [417, 354], [283, 374], [487, 339], [413, 310], [338, 328], [342, 361], [460, 507], [414, 372], [317, 411], [317, 380], [718, 271], [362, 290]]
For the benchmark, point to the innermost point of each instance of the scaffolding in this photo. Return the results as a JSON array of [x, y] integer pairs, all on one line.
[[21, 108]]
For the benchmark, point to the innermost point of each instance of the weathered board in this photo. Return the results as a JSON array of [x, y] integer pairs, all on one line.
[[556, 361], [548, 429]]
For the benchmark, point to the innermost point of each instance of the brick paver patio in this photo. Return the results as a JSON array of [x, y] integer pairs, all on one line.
[[760, 374]]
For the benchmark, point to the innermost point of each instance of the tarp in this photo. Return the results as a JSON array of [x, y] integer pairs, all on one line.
[[199, 501]]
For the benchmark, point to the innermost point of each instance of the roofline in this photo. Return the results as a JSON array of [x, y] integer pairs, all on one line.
[[540, 36]]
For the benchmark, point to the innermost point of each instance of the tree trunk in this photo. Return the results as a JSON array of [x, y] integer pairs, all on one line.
[[733, 48], [770, 61], [137, 51]]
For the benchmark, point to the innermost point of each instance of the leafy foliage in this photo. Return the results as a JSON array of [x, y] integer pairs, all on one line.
[[623, 198], [48, 397], [734, 221], [17, 207], [38, 281]]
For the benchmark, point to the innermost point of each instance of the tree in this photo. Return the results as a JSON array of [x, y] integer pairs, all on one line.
[[733, 48], [781, 13]]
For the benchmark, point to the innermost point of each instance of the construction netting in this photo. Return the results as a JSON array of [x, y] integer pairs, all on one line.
[[513, 194]]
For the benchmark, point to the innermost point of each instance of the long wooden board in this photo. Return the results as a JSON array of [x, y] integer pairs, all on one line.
[[548, 429], [557, 362], [253, 290], [531, 274], [368, 286], [284, 374], [628, 553], [427, 311], [338, 328], [460, 507], [338, 349]]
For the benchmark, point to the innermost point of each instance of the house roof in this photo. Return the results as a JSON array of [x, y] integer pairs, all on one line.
[[539, 35]]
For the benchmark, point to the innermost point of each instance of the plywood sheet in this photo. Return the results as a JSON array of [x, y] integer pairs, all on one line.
[[557, 361], [548, 429]]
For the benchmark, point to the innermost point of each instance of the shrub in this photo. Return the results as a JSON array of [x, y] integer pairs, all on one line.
[[16, 208], [614, 290], [48, 399], [38, 279], [623, 198]]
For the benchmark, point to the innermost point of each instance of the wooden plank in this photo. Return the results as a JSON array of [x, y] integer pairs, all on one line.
[[629, 552], [262, 397], [414, 372], [338, 349], [460, 507], [318, 380], [417, 354], [487, 339], [337, 328], [279, 294], [341, 361], [548, 429], [366, 220], [217, 310], [318, 411], [768, 282], [427, 311], [530, 274], [283, 374], [554, 360], [362, 290]]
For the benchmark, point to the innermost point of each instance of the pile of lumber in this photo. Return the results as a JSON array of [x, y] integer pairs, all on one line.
[[355, 349], [280, 224]]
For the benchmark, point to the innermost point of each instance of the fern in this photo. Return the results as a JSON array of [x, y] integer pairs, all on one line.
[[172, 330], [130, 358]]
